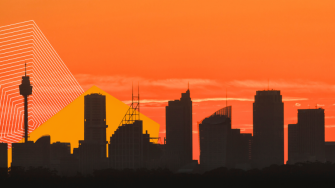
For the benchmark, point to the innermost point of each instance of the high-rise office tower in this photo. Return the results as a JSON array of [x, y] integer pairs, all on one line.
[[95, 121], [306, 139], [179, 129], [25, 90], [214, 139], [92, 150], [268, 129], [221, 146]]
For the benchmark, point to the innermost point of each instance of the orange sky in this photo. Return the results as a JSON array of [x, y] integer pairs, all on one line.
[[214, 45]]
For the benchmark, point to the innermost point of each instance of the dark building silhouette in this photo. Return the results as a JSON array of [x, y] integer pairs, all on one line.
[[268, 129], [330, 151], [152, 153], [30, 154], [3, 155], [95, 121], [213, 134], [25, 90], [239, 149], [129, 147], [62, 160], [126, 147], [306, 139], [221, 146], [92, 150], [179, 131]]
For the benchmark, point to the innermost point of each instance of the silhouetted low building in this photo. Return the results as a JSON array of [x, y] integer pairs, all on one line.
[[240, 150], [152, 153], [90, 158], [3, 155], [62, 160], [32, 154], [330, 151]]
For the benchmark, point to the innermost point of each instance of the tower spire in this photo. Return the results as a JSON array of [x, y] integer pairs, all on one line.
[[138, 98], [132, 93], [226, 97], [25, 68]]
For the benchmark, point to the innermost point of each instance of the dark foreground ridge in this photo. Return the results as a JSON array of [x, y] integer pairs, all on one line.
[[299, 175]]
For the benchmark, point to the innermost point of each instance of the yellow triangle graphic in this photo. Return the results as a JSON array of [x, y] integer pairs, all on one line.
[[68, 124]]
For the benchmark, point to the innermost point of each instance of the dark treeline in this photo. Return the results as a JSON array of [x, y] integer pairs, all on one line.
[[298, 175]]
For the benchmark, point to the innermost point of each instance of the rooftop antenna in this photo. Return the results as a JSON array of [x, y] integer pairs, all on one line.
[[132, 92], [226, 97], [133, 112], [25, 68], [138, 98]]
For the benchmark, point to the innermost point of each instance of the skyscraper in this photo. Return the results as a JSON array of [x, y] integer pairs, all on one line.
[[95, 121], [306, 139], [268, 129], [92, 150], [221, 146], [214, 139], [179, 129]]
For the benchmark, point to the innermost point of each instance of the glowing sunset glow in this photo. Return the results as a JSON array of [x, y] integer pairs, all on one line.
[[213, 45]]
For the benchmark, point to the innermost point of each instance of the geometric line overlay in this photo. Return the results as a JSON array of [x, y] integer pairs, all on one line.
[[54, 87]]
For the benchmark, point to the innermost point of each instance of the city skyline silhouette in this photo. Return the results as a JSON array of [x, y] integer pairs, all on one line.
[[223, 53], [131, 148]]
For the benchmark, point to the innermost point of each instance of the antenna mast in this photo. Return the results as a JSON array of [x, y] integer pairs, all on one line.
[[133, 112], [226, 97]]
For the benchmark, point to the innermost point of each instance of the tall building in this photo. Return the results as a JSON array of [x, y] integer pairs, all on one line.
[[221, 146], [306, 139], [268, 129], [92, 150], [213, 137], [95, 121], [25, 90], [179, 130]]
